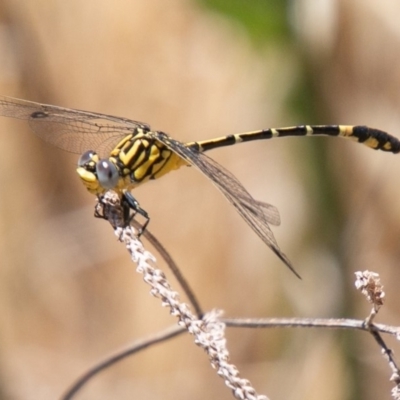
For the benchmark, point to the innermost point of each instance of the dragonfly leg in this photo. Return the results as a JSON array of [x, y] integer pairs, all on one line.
[[129, 203]]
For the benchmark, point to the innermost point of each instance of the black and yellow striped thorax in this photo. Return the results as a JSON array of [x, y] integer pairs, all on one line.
[[137, 158]]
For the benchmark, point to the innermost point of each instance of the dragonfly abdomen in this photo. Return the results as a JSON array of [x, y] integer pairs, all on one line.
[[373, 138]]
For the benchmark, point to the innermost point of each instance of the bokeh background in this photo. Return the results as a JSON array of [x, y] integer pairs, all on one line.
[[69, 295]]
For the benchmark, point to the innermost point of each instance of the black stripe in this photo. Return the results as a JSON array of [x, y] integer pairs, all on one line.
[[212, 144], [229, 140], [264, 134], [300, 130], [141, 149], [329, 130], [149, 171], [362, 133]]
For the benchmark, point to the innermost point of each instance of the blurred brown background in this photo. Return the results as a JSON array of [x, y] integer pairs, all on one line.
[[69, 294]]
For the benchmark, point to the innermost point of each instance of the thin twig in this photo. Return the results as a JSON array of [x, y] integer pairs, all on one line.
[[341, 323], [332, 323], [120, 355], [174, 269]]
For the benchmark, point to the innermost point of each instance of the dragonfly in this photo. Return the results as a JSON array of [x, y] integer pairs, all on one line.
[[120, 154]]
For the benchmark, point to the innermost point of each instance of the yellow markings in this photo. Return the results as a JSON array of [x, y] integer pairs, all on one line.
[[126, 157], [165, 153], [371, 142], [125, 183], [172, 163], [160, 165], [125, 170], [274, 132], [144, 170], [309, 130], [118, 147], [387, 146], [89, 179], [346, 131], [238, 138], [94, 160], [201, 149]]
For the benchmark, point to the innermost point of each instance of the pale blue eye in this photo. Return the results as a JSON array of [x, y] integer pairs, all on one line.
[[86, 157], [107, 174]]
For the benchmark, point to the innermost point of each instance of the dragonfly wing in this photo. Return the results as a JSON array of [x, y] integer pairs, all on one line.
[[270, 212], [256, 214], [69, 129]]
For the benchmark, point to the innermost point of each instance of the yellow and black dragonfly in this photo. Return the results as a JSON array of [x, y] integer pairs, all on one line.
[[121, 154]]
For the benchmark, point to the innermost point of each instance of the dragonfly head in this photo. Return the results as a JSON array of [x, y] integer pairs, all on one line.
[[98, 175]]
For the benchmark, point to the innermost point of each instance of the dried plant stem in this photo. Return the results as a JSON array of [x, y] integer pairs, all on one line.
[[331, 323], [208, 331], [369, 284]]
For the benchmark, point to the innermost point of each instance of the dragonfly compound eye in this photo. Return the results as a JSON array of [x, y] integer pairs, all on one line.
[[86, 157], [107, 174]]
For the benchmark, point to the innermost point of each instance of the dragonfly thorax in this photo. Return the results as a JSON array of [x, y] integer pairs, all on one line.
[[136, 159]]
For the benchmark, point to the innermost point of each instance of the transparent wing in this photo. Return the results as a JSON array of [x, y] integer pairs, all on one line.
[[72, 130], [270, 212], [256, 214]]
